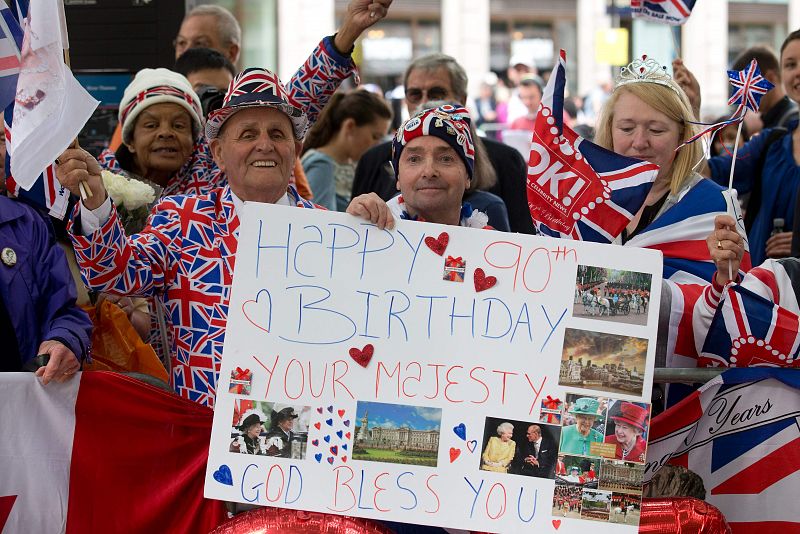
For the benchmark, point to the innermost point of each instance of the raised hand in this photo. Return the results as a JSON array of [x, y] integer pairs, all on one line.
[[74, 166], [361, 14], [725, 245]]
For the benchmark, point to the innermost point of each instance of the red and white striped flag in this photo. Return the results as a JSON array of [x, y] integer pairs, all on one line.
[[102, 452]]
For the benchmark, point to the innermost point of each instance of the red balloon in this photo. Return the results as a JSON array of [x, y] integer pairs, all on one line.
[[279, 521], [681, 514]]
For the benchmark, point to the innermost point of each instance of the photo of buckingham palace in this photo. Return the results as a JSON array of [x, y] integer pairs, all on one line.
[[402, 438]]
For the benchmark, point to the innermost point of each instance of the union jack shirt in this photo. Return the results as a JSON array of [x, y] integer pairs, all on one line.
[[184, 258]]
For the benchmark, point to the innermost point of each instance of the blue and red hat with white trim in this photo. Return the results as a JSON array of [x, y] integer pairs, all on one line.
[[255, 87], [449, 123]]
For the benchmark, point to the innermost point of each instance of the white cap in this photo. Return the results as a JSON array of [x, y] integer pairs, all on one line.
[[158, 86]]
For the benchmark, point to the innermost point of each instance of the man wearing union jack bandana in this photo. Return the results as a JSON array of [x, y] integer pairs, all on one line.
[[434, 159]]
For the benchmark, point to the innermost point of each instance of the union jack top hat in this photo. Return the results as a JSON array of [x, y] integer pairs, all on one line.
[[256, 87]]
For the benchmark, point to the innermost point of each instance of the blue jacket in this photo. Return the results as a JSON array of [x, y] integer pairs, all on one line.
[[780, 181], [38, 290]]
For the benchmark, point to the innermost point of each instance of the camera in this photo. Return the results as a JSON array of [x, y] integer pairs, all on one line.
[[210, 98]]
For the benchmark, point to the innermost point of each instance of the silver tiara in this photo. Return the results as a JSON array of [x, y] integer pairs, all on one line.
[[646, 70]]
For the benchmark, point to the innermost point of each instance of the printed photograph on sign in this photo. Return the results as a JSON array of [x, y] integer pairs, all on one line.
[[621, 477], [578, 471], [596, 505], [583, 422], [397, 433], [611, 295], [567, 500], [269, 429], [625, 509], [626, 430], [525, 448], [604, 362]]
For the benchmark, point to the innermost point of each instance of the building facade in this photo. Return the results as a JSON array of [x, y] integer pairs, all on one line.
[[484, 34]]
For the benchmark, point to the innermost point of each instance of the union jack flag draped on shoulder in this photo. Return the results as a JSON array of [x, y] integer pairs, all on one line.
[[739, 433], [577, 189], [672, 12]]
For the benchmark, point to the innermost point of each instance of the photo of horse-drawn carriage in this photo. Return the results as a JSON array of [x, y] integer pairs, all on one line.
[[612, 295]]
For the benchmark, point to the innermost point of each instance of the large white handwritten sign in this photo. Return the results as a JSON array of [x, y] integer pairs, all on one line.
[[434, 375]]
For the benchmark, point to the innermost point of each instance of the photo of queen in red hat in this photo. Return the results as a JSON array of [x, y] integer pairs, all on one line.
[[630, 422]]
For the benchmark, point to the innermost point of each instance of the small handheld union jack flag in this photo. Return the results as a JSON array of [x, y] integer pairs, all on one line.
[[749, 86]]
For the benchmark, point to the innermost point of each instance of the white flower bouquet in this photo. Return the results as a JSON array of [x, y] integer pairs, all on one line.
[[133, 198]]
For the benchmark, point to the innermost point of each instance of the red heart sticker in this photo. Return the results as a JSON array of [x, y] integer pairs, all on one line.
[[483, 282], [344, 459], [316, 425], [362, 356], [256, 311], [347, 435], [454, 454], [438, 245], [556, 523], [341, 413]]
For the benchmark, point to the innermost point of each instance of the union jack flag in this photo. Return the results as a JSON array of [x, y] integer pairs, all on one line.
[[739, 433], [10, 44], [673, 12], [751, 331], [577, 189], [748, 87]]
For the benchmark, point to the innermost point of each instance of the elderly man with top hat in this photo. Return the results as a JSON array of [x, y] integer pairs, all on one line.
[[578, 438], [629, 425], [185, 256]]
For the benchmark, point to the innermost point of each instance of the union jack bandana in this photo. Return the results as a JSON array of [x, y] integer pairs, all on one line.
[[749, 86], [257, 87], [449, 123]]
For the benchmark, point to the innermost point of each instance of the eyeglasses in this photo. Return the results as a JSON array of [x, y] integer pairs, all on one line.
[[181, 43], [415, 95]]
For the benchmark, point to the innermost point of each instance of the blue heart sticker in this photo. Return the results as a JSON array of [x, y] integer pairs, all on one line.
[[339, 433], [327, 439], [344, 446], [223, 475], [329, 422], [318, 457], [461, 431]]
